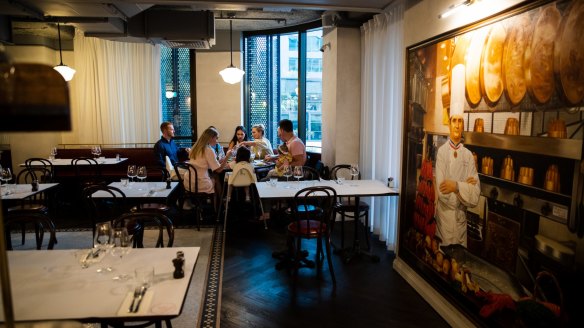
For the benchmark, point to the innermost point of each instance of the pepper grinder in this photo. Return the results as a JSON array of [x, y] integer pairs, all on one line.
[[178, 263], [168, 183]]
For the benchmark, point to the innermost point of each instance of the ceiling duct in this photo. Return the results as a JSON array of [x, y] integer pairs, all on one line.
[[175, 28]]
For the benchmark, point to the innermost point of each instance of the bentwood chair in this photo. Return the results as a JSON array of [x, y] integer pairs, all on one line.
[[145, 219], [41, 223], [346, 205], [42, 166], [311, 216], [106, 208], [189, 189]]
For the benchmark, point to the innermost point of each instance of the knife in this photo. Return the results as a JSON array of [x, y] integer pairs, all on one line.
[[143, 290]]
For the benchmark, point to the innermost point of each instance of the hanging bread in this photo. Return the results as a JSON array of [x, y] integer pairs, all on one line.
[[569, 54], [513, 54], [473, 65], [491, 64], [539, 57]]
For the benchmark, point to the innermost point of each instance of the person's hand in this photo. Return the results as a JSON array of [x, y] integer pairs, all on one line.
[[188, 150], [471, 180], [268, 158], [447, 186]]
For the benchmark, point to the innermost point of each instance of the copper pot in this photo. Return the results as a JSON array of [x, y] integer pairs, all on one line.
[[479, 125], [507, 171], [512, 126], [552, 179], [557, 129], [525, 175], [487, 165]]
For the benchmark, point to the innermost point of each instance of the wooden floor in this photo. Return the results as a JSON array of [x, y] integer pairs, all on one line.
[[367, 294]]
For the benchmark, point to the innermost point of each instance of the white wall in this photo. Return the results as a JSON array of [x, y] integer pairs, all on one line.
[[218, 103]]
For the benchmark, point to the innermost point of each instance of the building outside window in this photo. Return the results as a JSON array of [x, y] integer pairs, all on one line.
[[283, 80]]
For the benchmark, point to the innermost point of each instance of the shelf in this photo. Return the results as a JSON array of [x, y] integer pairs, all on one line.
[[565, 148]]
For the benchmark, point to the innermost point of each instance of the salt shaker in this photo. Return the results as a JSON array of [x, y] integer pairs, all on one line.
[[117, 157], [390, 182]]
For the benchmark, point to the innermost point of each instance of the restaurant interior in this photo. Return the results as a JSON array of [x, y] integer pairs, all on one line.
[[372, 85]]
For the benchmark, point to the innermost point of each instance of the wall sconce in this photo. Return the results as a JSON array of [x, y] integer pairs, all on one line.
[[66, 71], [231, 74], [454, 8]]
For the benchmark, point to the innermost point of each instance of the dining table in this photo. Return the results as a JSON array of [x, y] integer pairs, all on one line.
[[348, 188], [21, 191], [145, 190], [56, 285], [99, 160]]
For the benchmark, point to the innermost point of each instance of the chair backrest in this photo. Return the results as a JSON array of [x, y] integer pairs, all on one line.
[[86, 165], [343, 171], [187, 176], [34, 163], [150, 218], [37, 220], [29, 174], [322, 198], [104, 208], [242, 176]]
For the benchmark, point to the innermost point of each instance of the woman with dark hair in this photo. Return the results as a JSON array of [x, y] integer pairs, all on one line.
[[238, 137]]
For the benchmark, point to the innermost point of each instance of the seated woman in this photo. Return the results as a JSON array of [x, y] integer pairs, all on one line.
[[202, 157], [284, 158], [260, 146], [239, 137]]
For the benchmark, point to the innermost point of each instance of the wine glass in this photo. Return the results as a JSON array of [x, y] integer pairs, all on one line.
[[298, 173], [53, 154], [6, 176], [252, 157], [97, 151], [141, 174], [102, 241], [354, 172], [121, 246], [93, 150], [287, 173], [131, 173]]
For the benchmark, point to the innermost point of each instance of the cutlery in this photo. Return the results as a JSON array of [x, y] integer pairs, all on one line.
[[140, 297], [137, 292]]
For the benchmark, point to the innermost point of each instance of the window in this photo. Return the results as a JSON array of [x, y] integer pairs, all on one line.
[[175, 79], [284, 81]]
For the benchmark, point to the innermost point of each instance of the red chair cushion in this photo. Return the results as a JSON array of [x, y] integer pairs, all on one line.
[[307, 228]]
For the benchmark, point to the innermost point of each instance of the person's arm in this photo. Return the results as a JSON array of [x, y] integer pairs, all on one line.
[[160, 154], [297, 160], [469, 191], [223, 163], [231, 145]]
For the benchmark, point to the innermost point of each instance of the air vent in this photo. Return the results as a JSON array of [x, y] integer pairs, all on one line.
[[195, 44]]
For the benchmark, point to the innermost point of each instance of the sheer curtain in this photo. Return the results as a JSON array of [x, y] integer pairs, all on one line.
[[382, 106], [115, 95]]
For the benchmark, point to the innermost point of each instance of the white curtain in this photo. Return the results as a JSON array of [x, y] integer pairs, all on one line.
[[382, 107], [115, 95]]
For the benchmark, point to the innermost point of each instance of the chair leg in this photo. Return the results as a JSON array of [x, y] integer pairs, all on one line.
[[329, 259], [342, 230], [366, 227]]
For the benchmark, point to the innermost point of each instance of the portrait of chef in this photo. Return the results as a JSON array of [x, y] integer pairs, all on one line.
[[456, 175]]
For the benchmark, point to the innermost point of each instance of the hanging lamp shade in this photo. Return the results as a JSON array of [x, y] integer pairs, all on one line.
[[231, 74], [65, 71]]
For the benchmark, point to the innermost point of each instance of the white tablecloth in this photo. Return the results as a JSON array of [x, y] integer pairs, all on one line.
[[347, 188], [22, 191], [51, 285], [141, 189]]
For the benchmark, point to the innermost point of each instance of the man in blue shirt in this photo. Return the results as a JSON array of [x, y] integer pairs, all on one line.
[[166, 146]]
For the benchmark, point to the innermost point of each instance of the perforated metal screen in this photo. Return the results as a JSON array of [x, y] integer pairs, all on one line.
[[176, 92]]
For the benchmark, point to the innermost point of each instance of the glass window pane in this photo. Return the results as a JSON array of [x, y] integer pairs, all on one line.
[[314, 91]]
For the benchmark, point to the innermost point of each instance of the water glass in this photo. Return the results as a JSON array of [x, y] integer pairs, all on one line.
[[124, 182], [144, 276], [273, 181]]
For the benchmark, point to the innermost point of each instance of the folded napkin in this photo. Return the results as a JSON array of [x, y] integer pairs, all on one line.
[[144, 305], [170, 169]]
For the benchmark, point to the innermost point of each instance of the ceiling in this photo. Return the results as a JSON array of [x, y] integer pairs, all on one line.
[[24, 20]]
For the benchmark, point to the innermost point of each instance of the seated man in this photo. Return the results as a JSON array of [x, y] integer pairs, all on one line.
[[166, 146]]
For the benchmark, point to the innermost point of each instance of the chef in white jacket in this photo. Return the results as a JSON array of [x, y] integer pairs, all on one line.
[[456, 178]]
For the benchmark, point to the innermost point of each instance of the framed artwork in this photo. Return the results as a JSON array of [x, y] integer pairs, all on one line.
[[492, 206]]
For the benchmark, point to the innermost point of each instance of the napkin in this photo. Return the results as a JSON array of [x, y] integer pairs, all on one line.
[[144, 306], [170, 169]]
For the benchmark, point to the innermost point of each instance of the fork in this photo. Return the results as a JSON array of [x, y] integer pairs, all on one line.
[[137, 293]]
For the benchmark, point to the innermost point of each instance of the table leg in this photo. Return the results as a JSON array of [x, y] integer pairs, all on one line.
[[356, 251]]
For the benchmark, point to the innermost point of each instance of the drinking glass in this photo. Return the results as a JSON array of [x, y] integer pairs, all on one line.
[[141, 174], [97, 151], [6, 176], [94, 151], [131, 173], [252, 157], [103, 241], [52, 154], [298, 173], [354, 172], [287, 173], [121, 246]]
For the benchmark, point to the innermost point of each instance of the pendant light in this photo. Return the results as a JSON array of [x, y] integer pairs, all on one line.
[[66, 71], [231, 74]]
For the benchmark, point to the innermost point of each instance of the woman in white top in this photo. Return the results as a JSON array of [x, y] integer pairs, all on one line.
[[260, 146], [203, 158]]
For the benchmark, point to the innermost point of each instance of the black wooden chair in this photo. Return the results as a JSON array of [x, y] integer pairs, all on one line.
[[312, 212], [145, 219], [189, 189], [346, 205], [39, 221], [158, 207], [47, 172], [106, 208]]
